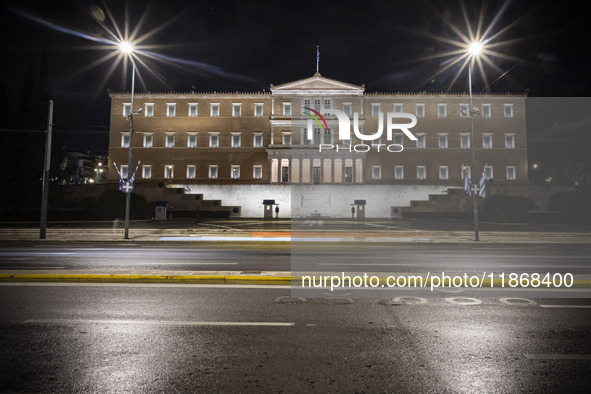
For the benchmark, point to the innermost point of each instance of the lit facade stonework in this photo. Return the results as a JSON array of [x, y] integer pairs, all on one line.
[[194, 140]]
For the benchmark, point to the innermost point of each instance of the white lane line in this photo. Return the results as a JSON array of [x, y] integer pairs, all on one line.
[[30, 268], [558, 356], [196, 285], [161, 322], [567, 306], [186, 264]]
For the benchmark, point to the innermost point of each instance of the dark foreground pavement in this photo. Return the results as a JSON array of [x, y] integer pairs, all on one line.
[[182, 338]]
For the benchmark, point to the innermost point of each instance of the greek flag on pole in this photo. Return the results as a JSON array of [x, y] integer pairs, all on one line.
[[467, 182], [482, 186]]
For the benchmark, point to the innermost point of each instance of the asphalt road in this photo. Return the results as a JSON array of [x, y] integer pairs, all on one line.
[[189, 338], [362, 257]]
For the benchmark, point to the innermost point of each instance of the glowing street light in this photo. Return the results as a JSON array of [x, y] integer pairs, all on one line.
[[126, 47], [474, 50]]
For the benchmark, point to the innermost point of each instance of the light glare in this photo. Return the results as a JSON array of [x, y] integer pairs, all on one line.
[[126, 47], [475, 48]]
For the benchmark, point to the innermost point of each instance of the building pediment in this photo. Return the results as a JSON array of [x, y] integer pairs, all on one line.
[[317, 85]]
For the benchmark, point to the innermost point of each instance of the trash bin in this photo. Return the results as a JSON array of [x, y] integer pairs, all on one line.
[[161, 210]]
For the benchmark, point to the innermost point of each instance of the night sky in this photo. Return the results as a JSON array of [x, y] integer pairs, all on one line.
[[247, 45]]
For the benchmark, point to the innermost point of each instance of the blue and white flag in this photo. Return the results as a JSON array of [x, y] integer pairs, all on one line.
[[467, 182], [482, 186]]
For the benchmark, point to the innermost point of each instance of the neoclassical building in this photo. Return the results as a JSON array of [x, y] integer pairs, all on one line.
[[242, 148]]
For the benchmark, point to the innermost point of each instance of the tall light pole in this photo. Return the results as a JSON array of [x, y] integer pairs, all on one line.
[[127, 48], [473, 51]]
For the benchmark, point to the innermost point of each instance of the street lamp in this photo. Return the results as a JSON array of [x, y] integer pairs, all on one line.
[[127, 48], [473, 51]]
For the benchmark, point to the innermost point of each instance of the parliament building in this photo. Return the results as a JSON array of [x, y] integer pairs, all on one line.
[[240, 149]]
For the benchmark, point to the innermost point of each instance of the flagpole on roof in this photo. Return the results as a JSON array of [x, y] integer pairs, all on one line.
[[317, 58]]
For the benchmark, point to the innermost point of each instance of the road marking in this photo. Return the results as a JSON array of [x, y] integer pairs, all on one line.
[[29, 268], [160, 322], [463, 300], [98, 284], [186, 264], [566, 306], [519, 301], [409, 300], [558, 356]]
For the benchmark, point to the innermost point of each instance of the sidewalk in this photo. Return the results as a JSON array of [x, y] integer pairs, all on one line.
[[244, 232]]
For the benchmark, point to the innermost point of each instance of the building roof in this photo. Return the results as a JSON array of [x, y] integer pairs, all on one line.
[[318, 85]]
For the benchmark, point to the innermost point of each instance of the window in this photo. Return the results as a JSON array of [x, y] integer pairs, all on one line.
[[192, 141], [170, 109], [421, 172], [375, 110], [398, 108], [149, 110], [148, 140], [487, 141], [326, 105], [257, 172], [147, 171], [168, 172], [442, 172], [509, 141], [464, 111], [442, 110], [347, 108], [442, 140], [213, 172], [258, 110], [170, 140], [214, 110], [126, 109], [317, 136], [286, 138], [399, 172], [213, 141], [235, 172], [510, 173], [420, 110], [421, 141], [466, 170], [508, 110], [125, 140], [236, 141], [286, 109], [257, 141], [192, 110], [124, 172], [398, 140], [465, 141], [488, 172], [190, 172], [376, 172], [306, 105], [376, 142], [317, 105], [486, 112], [236, 110]]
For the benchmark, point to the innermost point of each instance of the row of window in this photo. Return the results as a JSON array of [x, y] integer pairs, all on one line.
[[325, 138], [214, 140], [376, 172], [191, 171], [376, 108], [214, 110]]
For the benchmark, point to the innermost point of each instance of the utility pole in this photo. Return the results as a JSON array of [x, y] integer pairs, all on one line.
[[46, 167]]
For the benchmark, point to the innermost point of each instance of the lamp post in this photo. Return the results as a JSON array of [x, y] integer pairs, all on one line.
[[127, 48], [473, 51]]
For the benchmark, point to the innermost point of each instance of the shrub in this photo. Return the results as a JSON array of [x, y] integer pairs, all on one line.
[[111, 205], [576, 201], [507, 208]]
